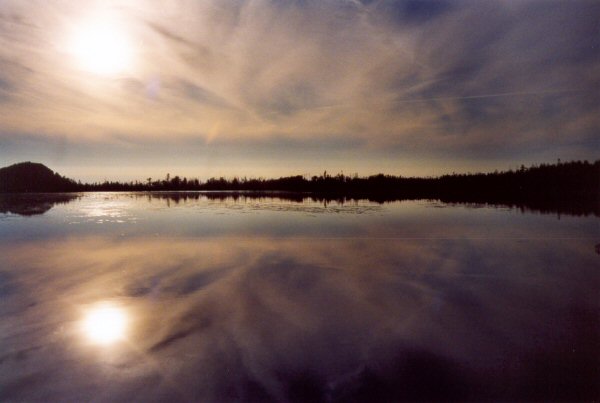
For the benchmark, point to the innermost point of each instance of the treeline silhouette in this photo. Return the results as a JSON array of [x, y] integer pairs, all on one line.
[[569, 187]]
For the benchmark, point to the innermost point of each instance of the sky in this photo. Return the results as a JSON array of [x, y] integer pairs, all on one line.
[[126, 90]]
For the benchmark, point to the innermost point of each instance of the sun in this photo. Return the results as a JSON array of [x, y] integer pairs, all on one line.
[[101, 46], [105, 324]]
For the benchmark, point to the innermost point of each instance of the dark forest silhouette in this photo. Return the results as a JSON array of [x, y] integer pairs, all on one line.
[[571, 187]]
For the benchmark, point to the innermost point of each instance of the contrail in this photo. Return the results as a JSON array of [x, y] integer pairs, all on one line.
[[416, 100], [496, 95]]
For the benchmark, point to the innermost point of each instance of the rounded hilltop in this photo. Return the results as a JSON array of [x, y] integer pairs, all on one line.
[[33, 177]]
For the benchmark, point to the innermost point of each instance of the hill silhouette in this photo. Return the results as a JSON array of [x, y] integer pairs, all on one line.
[[29, 177]]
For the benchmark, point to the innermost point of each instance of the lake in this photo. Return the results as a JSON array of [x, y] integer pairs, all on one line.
[[217, 297]]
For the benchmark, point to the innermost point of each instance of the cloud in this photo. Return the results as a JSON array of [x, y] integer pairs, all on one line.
[[469, 80]]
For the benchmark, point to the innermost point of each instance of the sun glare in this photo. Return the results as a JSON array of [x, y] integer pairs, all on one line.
[[101, 47], [105, 324]]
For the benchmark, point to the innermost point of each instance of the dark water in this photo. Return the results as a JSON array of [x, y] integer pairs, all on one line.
[[294, 300]]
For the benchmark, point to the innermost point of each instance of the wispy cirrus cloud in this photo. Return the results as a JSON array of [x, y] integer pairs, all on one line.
[[431, 79]]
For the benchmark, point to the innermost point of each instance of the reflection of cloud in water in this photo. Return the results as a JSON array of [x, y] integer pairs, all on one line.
[[223, 320]]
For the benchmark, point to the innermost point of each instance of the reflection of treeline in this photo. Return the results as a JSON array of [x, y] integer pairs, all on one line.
[[571, 188], [28, 204], [238, 196]]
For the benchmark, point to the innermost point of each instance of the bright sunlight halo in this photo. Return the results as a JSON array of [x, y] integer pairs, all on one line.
[[105, 324], [101, 47]]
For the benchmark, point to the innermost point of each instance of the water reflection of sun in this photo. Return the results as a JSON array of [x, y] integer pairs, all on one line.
[[105, 324]]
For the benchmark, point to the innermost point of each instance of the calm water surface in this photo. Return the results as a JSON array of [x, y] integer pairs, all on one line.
[[184, 297]]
